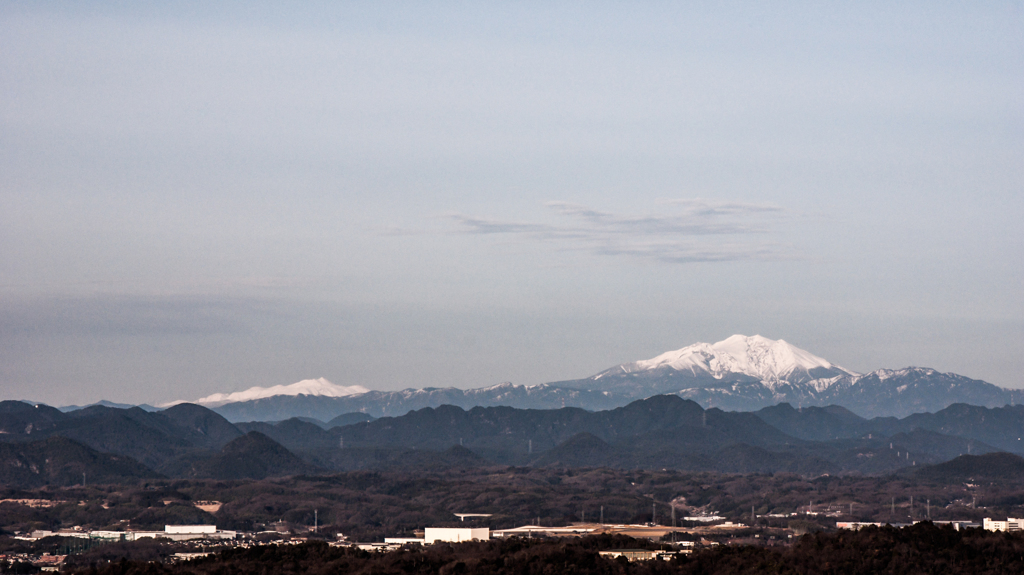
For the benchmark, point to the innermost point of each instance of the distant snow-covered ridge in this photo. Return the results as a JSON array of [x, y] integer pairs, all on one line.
[[315, 387], [751, 372], [394, 403], [741, 373]]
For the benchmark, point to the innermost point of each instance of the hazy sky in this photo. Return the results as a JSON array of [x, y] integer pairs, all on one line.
[[200, 197]]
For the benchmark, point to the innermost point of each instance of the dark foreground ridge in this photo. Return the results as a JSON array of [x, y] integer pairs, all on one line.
[[921, 549], [991, 467]]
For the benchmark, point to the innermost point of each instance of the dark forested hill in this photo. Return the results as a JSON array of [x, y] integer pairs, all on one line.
[[59, 461], [991, 427], [523, 430], [251, 456], [814, 423], [658, 432], [661, 432], [981, 468], [153, 438]]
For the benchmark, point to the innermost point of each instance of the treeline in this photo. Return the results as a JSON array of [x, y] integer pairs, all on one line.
[[368, 506], [921, 549]]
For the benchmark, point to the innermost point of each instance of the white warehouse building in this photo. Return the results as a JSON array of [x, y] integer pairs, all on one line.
[[1010, 524], [455, 534], [195, 529]]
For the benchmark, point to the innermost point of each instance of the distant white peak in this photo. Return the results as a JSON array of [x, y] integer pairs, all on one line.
[[756, 356], [502, 385], [320, 387]]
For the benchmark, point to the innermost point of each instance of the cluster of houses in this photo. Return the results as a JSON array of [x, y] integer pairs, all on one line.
[[44, 562]]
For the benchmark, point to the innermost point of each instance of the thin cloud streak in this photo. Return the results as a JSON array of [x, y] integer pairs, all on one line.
[[697, 233], [704, 207]]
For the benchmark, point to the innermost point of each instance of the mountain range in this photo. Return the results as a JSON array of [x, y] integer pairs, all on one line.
[[740, 373], [747, 373], [40, 445]]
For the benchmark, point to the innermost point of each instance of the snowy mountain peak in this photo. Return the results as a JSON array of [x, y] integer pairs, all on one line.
[[320, 387], [770, 361]]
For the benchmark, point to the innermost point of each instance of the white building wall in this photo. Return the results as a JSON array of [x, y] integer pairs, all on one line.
[[455, 534], [1010, 524], [190, 528]]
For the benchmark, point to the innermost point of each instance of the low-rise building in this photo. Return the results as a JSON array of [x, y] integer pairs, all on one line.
[[403, 541], [958, 524], [186, 532], [172, 532], [191, 529], [1010, 524], [549, 531], [856, 525], [455, 534], [640, 554]]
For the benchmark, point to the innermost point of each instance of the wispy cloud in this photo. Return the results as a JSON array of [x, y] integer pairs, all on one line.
[[689, 230]]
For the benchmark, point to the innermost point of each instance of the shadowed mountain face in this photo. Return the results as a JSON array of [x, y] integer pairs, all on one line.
[[659, 432], [989, 428], [251, 456], [294, 434], [60, 461], [662, 432], [155, 439], [1001, 427], [348, 419], [204, 427], [183, 441], [18, 418], [988, 467], [814, 423], [522, 430]]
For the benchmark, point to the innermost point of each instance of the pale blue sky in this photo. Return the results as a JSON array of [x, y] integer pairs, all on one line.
[[204, 197]]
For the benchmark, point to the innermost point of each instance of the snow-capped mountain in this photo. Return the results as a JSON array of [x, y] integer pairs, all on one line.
[[774, 363], [736, 373], [740, 373], [311, 387], [751, 372]]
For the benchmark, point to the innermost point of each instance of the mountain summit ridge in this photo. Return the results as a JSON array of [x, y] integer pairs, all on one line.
[[770, 361]]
